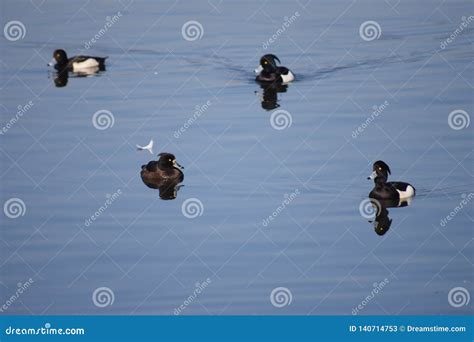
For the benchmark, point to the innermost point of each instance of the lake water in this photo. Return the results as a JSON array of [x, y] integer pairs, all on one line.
[[295, 154]]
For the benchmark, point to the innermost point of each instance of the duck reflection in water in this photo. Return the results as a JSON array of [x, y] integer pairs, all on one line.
[[164, 174], [382, 221], [269, 94], [61, 77]]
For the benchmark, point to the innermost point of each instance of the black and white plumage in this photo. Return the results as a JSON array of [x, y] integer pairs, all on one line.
[[62, 62], [269, 72], [388, 190]]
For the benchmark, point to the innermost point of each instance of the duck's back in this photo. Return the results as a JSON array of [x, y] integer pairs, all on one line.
[[152, 172]]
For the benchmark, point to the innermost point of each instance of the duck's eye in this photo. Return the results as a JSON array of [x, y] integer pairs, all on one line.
[[170, 159], [380, 169], [265, 62]]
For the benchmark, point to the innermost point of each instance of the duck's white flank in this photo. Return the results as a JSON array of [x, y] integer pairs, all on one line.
[[409, 192], [88, 63], [288, 78]]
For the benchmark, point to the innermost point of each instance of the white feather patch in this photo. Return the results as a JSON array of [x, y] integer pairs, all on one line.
[[409, 192], [88, 63], [287, 78]]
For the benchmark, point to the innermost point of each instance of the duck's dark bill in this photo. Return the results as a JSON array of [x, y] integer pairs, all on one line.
[[177, 164], [372, 175]]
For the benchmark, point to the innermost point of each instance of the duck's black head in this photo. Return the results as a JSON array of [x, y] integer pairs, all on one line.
[[60, 57], [168, 160], [268, 63], [382, 222], [380, 170], [382, 225]]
